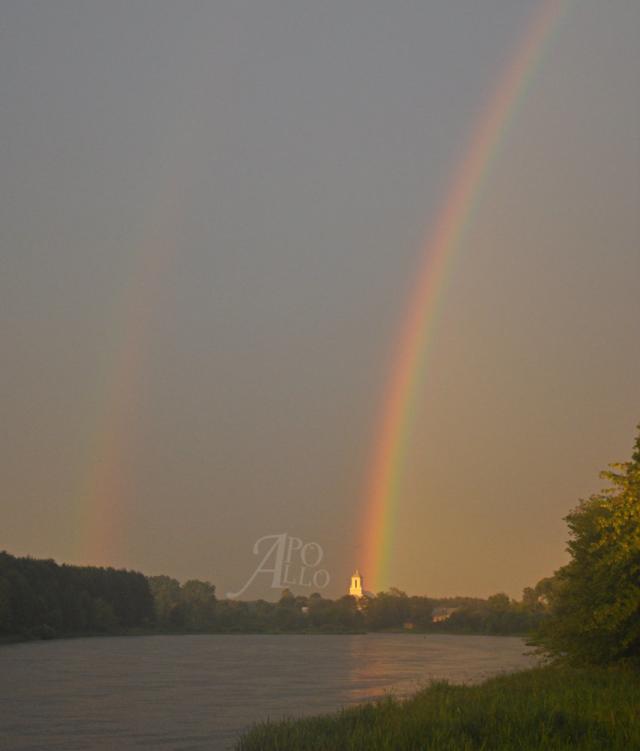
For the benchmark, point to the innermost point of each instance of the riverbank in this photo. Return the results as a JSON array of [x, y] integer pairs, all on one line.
[[545, 708], [48, 634]]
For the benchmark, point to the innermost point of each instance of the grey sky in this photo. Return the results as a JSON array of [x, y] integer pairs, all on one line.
[[239, 192]]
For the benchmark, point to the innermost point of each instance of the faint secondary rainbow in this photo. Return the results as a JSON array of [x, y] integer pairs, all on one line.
[[412, 348], [105, 482]]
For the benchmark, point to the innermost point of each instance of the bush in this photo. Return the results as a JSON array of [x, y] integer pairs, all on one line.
[[595, 598]]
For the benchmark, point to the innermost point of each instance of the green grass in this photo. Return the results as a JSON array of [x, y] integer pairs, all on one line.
[[544, 709]]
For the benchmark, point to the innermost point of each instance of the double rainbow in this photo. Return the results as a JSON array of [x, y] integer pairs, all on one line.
[[101, 493]]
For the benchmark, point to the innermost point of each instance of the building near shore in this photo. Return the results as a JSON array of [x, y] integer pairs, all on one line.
[[355, 589], [440, 615]]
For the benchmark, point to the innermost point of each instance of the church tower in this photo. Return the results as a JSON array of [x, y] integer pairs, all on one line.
[[355, 590]]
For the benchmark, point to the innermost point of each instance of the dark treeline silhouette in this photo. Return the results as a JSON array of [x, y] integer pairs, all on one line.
[[190, 607], [41, 599], [588, 612]]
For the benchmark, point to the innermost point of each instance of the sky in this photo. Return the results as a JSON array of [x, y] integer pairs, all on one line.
[[211, 216]]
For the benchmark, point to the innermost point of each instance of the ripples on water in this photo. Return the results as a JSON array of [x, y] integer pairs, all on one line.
[[192, 693]]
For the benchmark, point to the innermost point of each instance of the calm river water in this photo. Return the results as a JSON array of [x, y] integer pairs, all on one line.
[[192, 693]]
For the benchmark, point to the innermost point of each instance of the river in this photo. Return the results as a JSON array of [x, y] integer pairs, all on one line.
[[191, 693]]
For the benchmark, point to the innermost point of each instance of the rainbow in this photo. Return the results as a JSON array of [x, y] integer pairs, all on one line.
[[383, 486], [103, 486]]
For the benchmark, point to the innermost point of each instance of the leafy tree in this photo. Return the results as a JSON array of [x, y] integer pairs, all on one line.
[[420, 612], [40, 598], [531, 600], [6, 615], [287, 599], [595, 598], [387, 610], [499, 603], [199, 599], [102, 616], [167, 601]]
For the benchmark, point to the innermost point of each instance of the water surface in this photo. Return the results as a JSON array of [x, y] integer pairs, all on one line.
[[192, 693]]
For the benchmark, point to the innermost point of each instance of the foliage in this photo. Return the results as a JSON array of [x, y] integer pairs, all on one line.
[[40, 598], [595, 598], [190, 607], [546, 708], [167, 597], [497, 615]]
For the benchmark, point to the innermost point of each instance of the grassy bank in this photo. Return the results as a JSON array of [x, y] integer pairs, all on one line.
[[546, 708]]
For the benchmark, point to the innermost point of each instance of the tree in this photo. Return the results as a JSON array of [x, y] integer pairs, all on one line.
[[420, 612], [287, 599], [167, 600], [388, 610], [499, 603], [199, 600], [6, 617], [595, 600]]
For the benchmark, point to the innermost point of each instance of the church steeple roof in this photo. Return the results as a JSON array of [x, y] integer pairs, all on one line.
[[355, 590]]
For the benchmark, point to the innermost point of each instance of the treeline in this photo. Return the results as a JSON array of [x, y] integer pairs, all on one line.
[[41, 599], [499, 615], [588, 612], [387, 611], [193, 607]]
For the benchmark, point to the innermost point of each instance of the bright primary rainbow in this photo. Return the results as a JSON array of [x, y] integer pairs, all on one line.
[[410, 356]]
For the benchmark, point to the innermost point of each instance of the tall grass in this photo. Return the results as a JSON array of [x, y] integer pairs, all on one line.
[[548, 709]]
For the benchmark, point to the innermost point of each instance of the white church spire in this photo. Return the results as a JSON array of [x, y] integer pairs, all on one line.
[[355, 590]]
